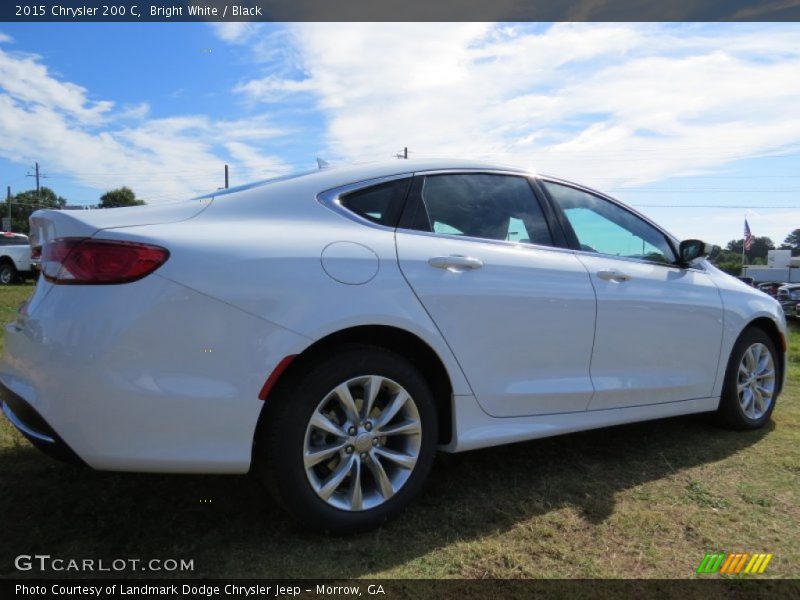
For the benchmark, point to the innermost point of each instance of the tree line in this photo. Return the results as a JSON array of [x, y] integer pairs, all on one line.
[[729, 258], [22, 205]]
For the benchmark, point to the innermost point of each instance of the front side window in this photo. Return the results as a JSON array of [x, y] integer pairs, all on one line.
[[606, 228], [492, 207]]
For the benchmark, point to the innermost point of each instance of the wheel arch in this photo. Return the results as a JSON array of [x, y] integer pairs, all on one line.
[[401, 341]]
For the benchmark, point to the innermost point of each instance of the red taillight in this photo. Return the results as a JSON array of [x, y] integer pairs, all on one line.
[[89, 261]]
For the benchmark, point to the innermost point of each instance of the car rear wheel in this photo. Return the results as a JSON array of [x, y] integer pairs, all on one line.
[[349, 446], [751, 382], [8, 274]]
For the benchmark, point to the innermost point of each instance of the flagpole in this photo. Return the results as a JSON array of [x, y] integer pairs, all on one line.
[[744, 242]]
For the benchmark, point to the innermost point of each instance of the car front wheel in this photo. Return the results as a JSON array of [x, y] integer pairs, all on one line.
[[349, 445], [751, 381]]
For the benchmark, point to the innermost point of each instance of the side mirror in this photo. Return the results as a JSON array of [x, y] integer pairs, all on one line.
[[691, 251]]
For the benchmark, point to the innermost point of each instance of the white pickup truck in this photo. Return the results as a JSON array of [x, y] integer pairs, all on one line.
[[15, 258]]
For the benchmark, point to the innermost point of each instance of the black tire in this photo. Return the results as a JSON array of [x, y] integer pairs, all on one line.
[[8, 274], [730, 413], [281, 437]]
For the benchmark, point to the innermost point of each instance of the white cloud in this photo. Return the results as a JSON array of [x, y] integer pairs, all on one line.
[[618, 103], [607, 104], [101, 146], [235, 32], [253, 160], [27, 80], [273, 88]]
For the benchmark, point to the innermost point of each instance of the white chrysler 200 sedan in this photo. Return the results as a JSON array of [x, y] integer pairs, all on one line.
[[333, 330]]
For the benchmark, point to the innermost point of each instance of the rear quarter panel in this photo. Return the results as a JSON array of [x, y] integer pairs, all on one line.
[[263, 256]]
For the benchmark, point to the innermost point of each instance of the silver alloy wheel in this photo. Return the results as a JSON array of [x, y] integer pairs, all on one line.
[[5, 275], [755, 382], [362, 443]]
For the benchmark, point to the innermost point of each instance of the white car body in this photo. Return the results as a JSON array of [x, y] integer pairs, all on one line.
[[164, 373]]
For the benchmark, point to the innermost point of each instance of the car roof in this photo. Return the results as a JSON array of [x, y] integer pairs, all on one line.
[[331, 177]]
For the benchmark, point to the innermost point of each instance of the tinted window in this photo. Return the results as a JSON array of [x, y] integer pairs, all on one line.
[[13, 241], [606, 228], [380, 203], [494, 207]]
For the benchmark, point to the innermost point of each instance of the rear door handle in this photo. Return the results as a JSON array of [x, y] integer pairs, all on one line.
[[456, 263], [613, 275]]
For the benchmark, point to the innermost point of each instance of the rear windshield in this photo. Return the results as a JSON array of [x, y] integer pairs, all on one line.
[[13, 240]]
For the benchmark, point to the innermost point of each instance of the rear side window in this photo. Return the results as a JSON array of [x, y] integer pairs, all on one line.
[[13, 240], [486, 206], [381, 204]]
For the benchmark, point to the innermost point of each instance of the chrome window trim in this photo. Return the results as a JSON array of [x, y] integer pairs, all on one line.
[[469, 238], [331, 198]]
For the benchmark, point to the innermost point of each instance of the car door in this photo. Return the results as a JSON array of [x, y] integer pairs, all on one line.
[[517, 313], [659, 326]]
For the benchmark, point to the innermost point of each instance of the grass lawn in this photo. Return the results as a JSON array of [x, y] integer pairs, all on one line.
[[645, 500]]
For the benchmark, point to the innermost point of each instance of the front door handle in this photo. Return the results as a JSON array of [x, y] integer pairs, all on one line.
[[456, 263], [613, 275]]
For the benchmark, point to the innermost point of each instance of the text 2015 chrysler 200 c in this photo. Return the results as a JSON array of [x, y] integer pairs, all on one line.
[[334, 329]]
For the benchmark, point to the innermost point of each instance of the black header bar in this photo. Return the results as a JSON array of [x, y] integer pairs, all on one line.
[[399, 10]]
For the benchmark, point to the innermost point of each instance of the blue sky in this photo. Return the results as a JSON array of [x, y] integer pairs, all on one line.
[[659, 114]]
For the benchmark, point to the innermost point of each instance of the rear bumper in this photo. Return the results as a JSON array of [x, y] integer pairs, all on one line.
[[33, 426], [147, 376]]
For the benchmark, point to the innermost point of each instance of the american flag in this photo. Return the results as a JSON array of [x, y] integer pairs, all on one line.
[[748, 237]]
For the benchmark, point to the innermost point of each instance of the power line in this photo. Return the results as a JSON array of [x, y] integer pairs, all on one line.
[[712, 190], [743, 206]]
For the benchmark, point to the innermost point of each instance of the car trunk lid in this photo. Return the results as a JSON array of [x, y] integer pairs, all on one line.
[[48, 225]]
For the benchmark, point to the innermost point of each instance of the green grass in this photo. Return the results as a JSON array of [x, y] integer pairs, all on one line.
[[645, 500]]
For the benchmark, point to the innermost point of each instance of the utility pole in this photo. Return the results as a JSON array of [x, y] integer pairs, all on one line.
[[226, 177], [404, 154], [8, 200], [38, 175]]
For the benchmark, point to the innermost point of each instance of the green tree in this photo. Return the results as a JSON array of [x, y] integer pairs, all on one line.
[[123, 196], [728, 261], [25, 203], [792, 242], [761, 246]]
